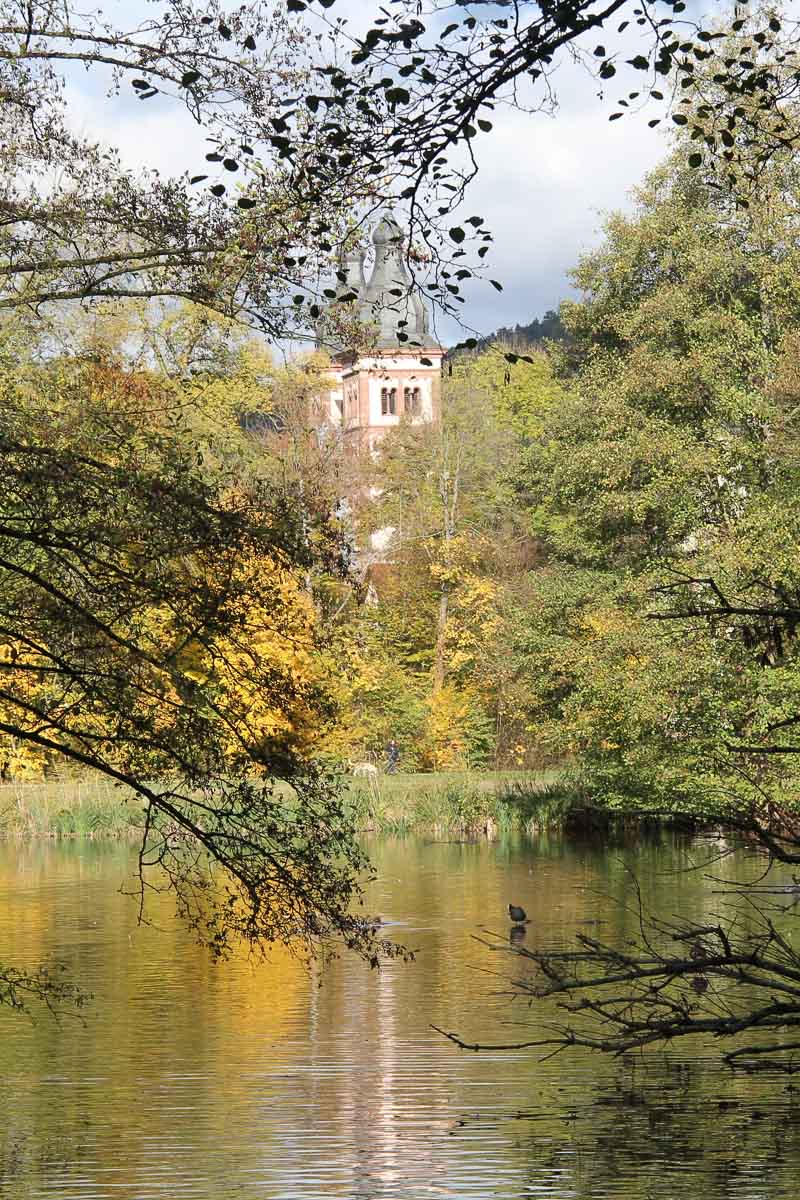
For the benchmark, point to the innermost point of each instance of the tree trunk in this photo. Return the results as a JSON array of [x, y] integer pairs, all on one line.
[[441, 629]]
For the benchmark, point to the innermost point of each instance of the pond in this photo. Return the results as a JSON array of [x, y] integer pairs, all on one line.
[[269, 1080]]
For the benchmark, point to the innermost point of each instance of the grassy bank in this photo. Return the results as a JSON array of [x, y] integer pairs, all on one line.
[[90, 807], [467, 803], [463, 802]]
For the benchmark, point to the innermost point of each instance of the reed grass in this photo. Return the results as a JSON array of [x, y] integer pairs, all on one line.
[[90, 807], [466, 803], [463, 802]]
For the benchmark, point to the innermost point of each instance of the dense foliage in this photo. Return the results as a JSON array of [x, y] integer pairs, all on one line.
[[670, 464], [156, 625]]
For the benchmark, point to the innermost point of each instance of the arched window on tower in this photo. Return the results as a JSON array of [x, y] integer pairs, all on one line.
[[388, 401], [413, 401]]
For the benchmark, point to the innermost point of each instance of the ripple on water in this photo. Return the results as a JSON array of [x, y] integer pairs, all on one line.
[[262, 1082]]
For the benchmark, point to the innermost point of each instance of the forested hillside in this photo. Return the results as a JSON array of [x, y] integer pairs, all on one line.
[[539, 331]]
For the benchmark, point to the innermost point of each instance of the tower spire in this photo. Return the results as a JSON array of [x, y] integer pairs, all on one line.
[[391, 301]]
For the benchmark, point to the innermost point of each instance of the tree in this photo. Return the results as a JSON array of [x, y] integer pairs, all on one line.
[[431, 665], [156, 622], [155, 627], [668, 456], [663, 647], [411, 99], [79, 226], [313, 129]]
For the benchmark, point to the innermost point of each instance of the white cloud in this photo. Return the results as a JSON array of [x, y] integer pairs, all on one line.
[[148, 134], [544, 181], [543, 187]]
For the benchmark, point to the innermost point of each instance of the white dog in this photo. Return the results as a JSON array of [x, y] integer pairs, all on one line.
[[363, 769]]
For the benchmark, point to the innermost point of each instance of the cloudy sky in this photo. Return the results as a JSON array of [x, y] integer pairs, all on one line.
[[544, 184]]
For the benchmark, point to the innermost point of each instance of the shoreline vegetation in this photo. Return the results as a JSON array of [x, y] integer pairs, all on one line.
[[471, 804]]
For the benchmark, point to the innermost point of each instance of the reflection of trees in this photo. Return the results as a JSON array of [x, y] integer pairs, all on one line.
[[658, 1124], [151, 1059], [257, 1073]]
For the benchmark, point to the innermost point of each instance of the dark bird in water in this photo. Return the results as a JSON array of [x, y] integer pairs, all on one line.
[[517, 914]]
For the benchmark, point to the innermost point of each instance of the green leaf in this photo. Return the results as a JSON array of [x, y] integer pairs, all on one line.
[[457, 234]]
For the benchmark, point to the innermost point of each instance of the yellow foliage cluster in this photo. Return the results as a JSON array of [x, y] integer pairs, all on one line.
[[267, 686], [601, 622], [251, 666], [474, 621], [268, 680], [19, 759], [444, 745]]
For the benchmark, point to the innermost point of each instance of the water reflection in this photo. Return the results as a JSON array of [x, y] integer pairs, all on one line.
[[266, 1081]]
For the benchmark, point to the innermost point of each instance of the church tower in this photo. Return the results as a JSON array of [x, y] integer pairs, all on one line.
[[401, 376]]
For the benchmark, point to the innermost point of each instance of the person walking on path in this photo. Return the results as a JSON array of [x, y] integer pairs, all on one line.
[[392, 757]]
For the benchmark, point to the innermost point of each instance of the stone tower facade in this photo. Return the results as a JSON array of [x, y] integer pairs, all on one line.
[[401, 376]]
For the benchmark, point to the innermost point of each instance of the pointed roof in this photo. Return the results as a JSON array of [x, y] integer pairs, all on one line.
[[390, 302]]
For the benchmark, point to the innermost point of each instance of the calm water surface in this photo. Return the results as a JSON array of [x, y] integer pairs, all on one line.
[[268, 1081]]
